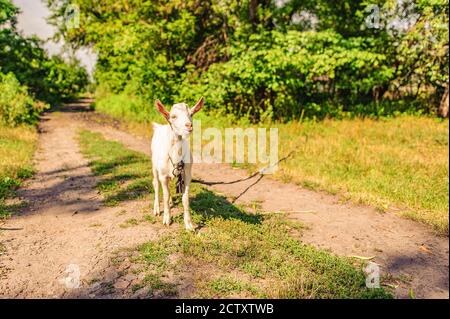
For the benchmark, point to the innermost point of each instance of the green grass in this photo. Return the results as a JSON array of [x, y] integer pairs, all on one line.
[[235, 253], [395, 164], [266, 260], [130, 223], [398, 164], [156, 284], [125, 107], [124, 173], [17, 145]]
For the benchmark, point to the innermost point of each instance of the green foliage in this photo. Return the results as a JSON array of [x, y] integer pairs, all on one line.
[[7, 12], [64, 80], [49, 79], [282, 75], [16, 105], [422, 53], [125, 106], [264, 59]]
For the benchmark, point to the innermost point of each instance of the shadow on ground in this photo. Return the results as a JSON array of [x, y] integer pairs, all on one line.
[[208, 205]]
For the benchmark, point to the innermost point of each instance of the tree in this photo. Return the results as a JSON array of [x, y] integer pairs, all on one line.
[[443, 106], [244, 53], [49, 79]]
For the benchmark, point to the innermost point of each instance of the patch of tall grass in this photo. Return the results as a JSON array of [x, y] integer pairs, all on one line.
[[17, 106], [126, 107], [17, 145], [395, 164]]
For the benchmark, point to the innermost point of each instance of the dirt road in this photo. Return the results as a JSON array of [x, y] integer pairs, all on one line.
[[65, 229]]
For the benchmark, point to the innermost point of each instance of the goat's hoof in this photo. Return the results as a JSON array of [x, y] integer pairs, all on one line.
[[166, 221], [190, 227], [156, 213]]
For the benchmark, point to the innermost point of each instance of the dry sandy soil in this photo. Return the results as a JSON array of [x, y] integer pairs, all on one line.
[[65, 230]]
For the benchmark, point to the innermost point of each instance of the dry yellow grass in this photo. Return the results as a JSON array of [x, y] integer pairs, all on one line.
[[16, 149], [17, 146], [398, 164]]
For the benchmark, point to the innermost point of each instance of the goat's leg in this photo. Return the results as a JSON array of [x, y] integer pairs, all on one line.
[[156, 211], [187, 214], [166, 197]]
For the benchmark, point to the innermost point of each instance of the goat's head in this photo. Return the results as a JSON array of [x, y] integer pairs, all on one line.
[[180, 116]]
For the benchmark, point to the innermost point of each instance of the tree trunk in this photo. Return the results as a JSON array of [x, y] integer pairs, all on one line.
[[253, 13], [443, 107]]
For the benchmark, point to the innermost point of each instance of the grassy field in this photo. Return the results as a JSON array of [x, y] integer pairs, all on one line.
[[235, 253], [17, 146], [398, 164], [394, 164]]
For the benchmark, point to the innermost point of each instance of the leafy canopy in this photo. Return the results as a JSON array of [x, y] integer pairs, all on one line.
[[266, 59]]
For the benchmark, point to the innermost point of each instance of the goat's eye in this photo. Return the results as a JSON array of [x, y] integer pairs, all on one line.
[[173, 116]]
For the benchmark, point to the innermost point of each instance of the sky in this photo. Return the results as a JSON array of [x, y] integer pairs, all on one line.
[[32, 21]]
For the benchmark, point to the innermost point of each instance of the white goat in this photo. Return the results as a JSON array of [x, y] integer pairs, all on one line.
[[170, 146]]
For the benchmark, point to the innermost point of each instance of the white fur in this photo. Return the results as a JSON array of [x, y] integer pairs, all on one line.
[[172, 140]]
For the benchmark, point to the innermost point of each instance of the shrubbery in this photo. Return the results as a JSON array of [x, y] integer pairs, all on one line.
[[287, 75], [265, 59], [49, 79], [16, 105], [30, 80]]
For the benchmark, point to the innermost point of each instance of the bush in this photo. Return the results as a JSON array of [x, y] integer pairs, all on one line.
[[48, 79], [279, 75], [266, 60], [16, 105]]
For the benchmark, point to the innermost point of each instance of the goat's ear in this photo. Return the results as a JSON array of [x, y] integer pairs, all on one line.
[[198, 106], [161, 109]]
